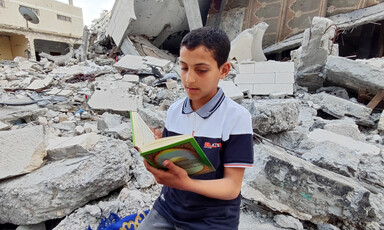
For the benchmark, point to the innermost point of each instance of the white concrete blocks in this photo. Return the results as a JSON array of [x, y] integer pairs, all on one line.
[[264, 78]]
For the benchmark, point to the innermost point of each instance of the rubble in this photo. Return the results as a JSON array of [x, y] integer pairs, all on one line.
[[22, 151], [65, 133]]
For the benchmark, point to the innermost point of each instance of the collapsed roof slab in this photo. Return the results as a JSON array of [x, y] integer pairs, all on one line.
[[342, 21], [149, 18], [354, 75]]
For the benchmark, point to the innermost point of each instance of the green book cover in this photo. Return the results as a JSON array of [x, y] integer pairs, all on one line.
[[183, 150]]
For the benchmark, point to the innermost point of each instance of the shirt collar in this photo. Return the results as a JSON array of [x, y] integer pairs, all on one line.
[[209, 108]]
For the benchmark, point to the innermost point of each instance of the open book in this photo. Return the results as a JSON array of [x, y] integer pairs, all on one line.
[[183, 150]]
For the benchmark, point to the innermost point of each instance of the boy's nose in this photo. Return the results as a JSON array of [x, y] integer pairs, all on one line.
[[190, 77]]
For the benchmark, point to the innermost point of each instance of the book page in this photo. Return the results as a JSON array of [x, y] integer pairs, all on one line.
[[141, 133], [165, 141]]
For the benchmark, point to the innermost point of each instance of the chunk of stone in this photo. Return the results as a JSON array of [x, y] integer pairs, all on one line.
[[356, 147], [316, 47], [57, 189], [288, 222], [339, 107], [248, 44], [273, 116], [108, 121], [22, 151], [354, 75], [292, 185], [69, 147]]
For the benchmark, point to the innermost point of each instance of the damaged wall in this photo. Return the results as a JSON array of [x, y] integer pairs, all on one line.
[[58, 22], [285, 17]]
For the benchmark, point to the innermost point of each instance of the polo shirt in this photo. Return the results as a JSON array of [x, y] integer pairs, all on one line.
[[223, 129]]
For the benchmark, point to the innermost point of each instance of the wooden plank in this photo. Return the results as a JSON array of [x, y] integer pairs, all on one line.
[[376, 99]]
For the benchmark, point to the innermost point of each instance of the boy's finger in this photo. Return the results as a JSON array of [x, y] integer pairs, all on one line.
[[171, 166]]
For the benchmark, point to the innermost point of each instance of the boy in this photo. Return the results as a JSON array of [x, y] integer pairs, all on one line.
[[222, 128]]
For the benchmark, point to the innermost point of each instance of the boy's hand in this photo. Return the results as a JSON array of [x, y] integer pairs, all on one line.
[[158, 132], [173, 177]]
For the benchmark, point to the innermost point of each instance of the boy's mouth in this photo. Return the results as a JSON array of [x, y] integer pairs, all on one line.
[[191, 89]]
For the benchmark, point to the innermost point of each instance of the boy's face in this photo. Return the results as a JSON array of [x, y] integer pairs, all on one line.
[[200, 74]]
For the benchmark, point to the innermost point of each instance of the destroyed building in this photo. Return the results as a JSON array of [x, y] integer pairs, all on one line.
[[28, 28], [67, 157]]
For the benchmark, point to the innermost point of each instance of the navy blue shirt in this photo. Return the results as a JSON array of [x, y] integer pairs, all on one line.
[[223, 130]]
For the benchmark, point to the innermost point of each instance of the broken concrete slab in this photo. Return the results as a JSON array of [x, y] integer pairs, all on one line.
[[316, 46], [4, 126], [146, 48], [192, 11], [57, 189], [22, 151], [356, 147], [114, 96], [231, 91], [69, 147], [134, 63], [339, 107], [354, 75], [345, 126], [334, 157], [291, 185], [41, 84], [60, 92], [273, 116], [247, 46]]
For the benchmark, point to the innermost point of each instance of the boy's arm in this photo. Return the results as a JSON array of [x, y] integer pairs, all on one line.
[[226, 188]]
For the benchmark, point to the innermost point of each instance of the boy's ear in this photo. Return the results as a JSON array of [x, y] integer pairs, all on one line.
[[224, 69]]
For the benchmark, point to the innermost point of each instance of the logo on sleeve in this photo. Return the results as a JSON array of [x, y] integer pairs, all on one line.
[[208, 145]]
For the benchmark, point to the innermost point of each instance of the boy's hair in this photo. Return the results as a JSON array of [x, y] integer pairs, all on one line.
[[215, 40]]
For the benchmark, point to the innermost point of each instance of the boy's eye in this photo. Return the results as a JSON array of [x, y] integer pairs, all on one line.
[[202, 70], [184, 69]]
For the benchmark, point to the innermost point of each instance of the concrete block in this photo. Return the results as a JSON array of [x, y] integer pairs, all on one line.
[[247, 67], [274, 66], [266, 89], [285, 78], [266, 78]]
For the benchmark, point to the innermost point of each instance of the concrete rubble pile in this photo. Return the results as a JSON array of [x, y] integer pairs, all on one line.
[[67, 154]]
